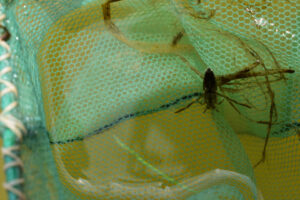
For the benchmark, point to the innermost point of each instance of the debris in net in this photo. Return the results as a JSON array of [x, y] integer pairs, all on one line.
[[144, 47]]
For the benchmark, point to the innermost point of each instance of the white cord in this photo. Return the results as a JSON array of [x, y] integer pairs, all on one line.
[[11, 187], [9, 152], [11, 122]]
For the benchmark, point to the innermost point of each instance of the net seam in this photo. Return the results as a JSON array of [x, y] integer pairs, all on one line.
[[8, 120], [129, 116]]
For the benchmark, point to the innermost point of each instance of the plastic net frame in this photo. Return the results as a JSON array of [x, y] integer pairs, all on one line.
[[56, 138]]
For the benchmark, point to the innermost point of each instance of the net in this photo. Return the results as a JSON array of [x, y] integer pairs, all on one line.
[[100, 84]]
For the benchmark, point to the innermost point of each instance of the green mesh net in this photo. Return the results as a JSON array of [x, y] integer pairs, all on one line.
[[99, 85]]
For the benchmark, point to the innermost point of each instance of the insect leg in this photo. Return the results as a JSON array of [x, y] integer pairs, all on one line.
[[272, 109], [234, 101], [186, 107], [201, 102], [221, 102], [231, 101], [235, 108]]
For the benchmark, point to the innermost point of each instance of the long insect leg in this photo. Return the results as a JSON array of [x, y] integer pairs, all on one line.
[[272, 109], [234, 101], [235, 108], [221, 102], [231, 101], [186, 107]]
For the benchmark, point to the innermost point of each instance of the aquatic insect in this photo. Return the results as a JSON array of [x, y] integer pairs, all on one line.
[[235, 79], [211, 83], [210, 93]]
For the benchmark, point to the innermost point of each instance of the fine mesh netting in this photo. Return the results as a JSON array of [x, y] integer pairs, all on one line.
[[99, 86]]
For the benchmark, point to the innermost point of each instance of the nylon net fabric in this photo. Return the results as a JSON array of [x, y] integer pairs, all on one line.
[[99, 97]]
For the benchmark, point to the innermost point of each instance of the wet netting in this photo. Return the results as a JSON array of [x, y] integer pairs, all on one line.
[[150, 99]]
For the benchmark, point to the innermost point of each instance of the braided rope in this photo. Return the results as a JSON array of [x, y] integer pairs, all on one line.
[[8, 120]]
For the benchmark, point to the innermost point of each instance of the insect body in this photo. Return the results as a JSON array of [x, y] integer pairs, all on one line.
[[210, 92], [210, 89]]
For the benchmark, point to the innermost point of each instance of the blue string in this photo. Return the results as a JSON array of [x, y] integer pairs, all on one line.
[[129, 116]]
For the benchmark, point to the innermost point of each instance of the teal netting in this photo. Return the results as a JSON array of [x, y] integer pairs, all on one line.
[[99, 85]]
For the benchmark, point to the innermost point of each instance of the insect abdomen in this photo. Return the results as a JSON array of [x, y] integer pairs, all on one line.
[[210, 89]]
